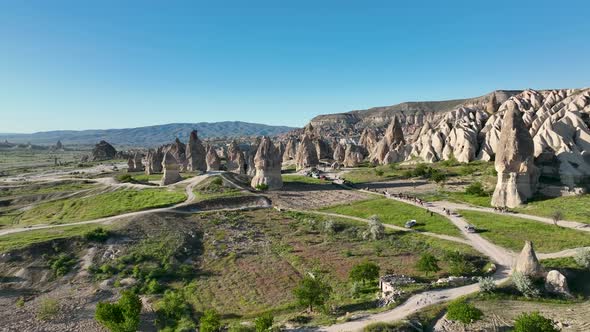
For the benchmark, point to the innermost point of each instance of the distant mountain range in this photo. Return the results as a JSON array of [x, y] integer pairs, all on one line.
[[148, 136]]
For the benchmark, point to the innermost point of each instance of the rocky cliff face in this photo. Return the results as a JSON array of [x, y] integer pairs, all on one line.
[[103, 151], [307, 155], [469, 129]]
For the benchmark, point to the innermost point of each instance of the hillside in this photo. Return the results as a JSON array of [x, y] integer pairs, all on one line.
[[148, 136]]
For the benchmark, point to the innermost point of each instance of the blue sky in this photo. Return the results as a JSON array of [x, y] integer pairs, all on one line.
[[114, 64]]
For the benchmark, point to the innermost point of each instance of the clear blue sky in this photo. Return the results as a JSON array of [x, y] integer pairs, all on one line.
[[113, 64]]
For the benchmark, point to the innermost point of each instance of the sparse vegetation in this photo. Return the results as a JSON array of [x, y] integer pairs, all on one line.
[[263, 322], [210, 321], [476, 189], [573, 208], [486, 284], [61, 264], [48, 308], [427, 264], [582, 257], [525, 285], [98, 234]]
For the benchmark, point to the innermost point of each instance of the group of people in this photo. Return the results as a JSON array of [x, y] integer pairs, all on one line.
[[405, 197], [447, 211], [501, 209]]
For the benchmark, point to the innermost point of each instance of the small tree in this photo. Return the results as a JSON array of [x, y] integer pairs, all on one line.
[[121, 316], [464, 312], [312, 291], [556, 216], [427, 264], [439, 177], [582, 257], [210, 321], [525, 285], [375, 231], [475, 189], [264, 322], [487, 284], [533, 322], [364, 272]]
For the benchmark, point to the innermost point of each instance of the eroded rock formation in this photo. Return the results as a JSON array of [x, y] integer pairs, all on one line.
[[290, 149], [267, 162], [339, 153], [134, 163], [212, 159], [178, 151], [368, 139], [353, 156], [103, 151], [517, 174], [236, 162], [153, 161], [393, 140], [195, 154], [307, 155], [556, 283], [527, 262], [171, 170]]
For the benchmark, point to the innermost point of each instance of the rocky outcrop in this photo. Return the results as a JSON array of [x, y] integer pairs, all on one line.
[[178, 151], [517, 174], [212, 159], [392, 140], [353, 156], [323, 149], [103, 151], [171, 170], [527, 262], [153, 161], [290, 149], [236, 163], [307, 155], [134, 163], [59, 145], [195, 154], [556, 283], [368, 139], [250, 154], [267, 162], [339, 153]]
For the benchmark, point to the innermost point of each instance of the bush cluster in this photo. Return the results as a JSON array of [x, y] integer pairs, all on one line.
[[463, 312], [98, 234], [476, 189]]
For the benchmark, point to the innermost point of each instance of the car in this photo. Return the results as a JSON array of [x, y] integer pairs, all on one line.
[[470, 229], [410, 223]]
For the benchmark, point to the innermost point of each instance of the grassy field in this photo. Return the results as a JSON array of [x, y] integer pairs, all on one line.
[[458, 197], [23, 239], [46, 188], [213, 188], [397, 213], [573, 208], [480, 170], [511, 232], [303, 179], [93, 207]]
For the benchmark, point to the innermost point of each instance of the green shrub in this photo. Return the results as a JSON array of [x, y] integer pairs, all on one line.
[[379, 172], [487, 284], [438, 177], [152, 286], [237, 327], [125, 178], [459, 264], [582, 257], [263, 322], [464, 312], [476, 189], [121, 316], [61, 264], [525, 285], [98, 234], [210, 322], [174, 312], [262, 187], [217, 181], [48, 308], [533, 322]]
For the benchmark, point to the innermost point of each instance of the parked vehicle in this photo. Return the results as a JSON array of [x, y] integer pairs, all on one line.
[[410, 223], [470, 229]]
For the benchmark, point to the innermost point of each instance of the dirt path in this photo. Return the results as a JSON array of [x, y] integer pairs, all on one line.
[[563, 223]]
